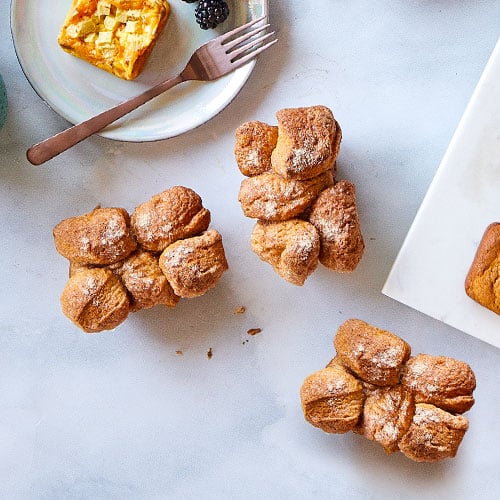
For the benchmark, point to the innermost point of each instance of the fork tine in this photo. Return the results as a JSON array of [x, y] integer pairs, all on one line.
[[252, 43], [233, 43], [229, 45], [242, 60], [239, 29]]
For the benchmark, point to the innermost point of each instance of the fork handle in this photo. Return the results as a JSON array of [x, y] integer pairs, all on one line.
[[47, 149]]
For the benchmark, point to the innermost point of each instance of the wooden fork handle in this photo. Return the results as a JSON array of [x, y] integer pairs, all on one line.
[[47, 149]]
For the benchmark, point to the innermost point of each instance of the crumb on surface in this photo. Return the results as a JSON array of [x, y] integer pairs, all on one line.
[[240, 310], [254, 331], [179, 353], [210, 353]]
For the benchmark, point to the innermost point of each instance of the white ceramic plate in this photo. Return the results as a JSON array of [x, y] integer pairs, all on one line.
[[77, 90], [464, 197]]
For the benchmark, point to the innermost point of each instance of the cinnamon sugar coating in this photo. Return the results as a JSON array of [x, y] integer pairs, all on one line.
[[255, 141], [171, 215], [332, 399], [291, 174], [145, 282], [433, 435], [194, 265], [482, 282], [95, 300], [335, 215], [387, 414], [291, 247], [399, 414], [112, 274], [374, 355], [441, 381], [308, 142], [99, 237], [270, 197]]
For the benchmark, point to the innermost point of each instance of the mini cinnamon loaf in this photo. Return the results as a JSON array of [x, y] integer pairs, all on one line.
[[482, 283]]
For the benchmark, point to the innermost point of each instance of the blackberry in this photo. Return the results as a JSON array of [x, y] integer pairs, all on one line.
[[210, 13]]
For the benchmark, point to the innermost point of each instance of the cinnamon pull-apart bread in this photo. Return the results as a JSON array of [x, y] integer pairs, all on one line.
[[482, 283], [375, 355], [255, 142], [171, 215], [291, 175], [194, 265], [114, 35], [271, 197], [115, 265], [335, 215], [95, 300], [100, 237], [374, 388], [308, 142], [332, 399], [291, 247]]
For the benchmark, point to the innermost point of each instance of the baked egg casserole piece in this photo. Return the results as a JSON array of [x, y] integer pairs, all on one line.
[[114, 35]]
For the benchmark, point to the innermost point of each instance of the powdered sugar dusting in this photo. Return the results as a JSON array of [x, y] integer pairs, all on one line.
[[418, 367], [178, 255], [91, 286], [425, 416], [252, 158], [336, 386], [142, 219], [387, 358], [309, 153], [85, 244], [113, 231], [388, 432]]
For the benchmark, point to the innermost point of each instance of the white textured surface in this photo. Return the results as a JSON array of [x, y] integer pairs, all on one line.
[[119, 415], [464, 198]]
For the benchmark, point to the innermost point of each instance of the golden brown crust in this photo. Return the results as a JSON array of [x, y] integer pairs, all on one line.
[[374, 355], [110, 274], [395, 416], [100, 237], [173, 214], [272, 198], [114, 35], [387, 415], [482, 282], [95, 300], [145, 282], [441, 381], [308, 142], [76, 267], [335, 216], [291, 247], [255, 141], [433, 435], [332, 399], [194, 265]]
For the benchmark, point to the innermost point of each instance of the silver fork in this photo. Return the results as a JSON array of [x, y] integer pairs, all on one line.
[[212, 60]]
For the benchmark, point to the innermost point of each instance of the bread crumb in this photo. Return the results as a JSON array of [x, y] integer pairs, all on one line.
[[254, 331], [179, 353], [210, 353], [240, 310]]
